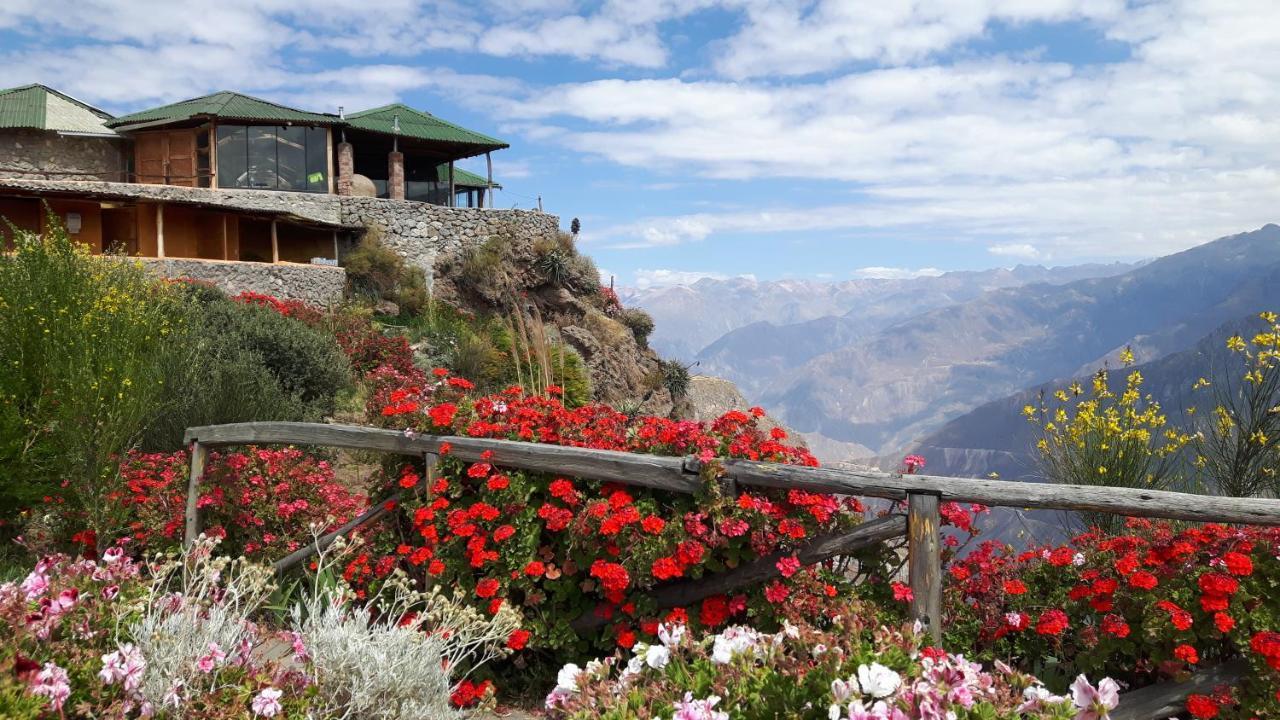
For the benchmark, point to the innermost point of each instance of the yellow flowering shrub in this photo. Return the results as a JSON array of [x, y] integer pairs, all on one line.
[[1238, 443], [1114, 435]]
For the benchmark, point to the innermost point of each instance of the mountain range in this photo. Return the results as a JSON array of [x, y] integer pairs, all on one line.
[[892, 364]]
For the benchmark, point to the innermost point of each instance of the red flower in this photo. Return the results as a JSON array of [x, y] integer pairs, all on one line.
[[487, 588], [715, 611], [653, 524], [690, 552], [1115, 625], [776, 592], [408, 480], [626, 638], [535, 568], [1186, 653], [1052, 622], [503, 532], [1015, 587], [1202, 707], [1143, 580], [788, 566], [902, 592], [442, 415], [665, 568], [1223, 622], [518, 639], [498, 482], [1238, 564], [479, 470]]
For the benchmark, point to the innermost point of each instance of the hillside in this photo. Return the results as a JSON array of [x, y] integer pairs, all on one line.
[[912, 377]]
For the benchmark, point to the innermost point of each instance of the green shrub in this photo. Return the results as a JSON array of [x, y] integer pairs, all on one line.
[[485, 270], [675, 378], [570, 372], [83, 346], [583, 275], [640, 323], [554, 266], [376, 272]]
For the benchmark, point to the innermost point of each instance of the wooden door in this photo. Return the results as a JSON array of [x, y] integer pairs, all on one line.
[[149, 150], [182, 158]]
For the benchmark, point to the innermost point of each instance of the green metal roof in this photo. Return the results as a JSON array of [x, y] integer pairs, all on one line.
[[419, 125], [43, 108], [462, 178], [225, 105]]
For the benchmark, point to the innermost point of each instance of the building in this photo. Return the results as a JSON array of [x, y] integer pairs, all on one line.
[[230, 178]]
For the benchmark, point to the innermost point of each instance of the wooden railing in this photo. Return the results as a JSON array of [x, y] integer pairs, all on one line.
[[922, 493]]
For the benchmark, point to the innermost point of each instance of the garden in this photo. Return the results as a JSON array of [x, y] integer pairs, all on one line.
[[486, 586]]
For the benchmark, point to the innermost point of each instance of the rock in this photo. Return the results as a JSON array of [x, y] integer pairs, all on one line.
[[362, 186], [386, 307]]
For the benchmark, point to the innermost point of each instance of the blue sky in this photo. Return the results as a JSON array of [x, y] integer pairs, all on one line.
[[775, 139]]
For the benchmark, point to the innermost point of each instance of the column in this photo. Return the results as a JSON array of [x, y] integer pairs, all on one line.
[[346, 167], [395, 175]]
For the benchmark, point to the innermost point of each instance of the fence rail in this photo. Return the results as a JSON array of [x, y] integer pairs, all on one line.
[[922, 493]]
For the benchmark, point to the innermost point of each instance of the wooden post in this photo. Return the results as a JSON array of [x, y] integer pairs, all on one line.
[[924, 561], [275, 244], [488, 186], [159, 229], [335, 246], [198, 455], [453, 192], [225, 255]]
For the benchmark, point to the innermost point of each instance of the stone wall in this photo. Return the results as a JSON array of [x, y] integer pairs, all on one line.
[[420, 231], [320, 285], [26, 153]]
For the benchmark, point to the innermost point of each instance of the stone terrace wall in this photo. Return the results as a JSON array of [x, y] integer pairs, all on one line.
[[420, 231], [26, 153], [319, 285]]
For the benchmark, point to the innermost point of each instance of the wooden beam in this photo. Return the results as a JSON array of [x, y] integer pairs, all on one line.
[[199, 453], [924, 562], [488, 161], [664, 473], [159, 229], [225, 252], [275, 244], [213, 154], [375, 512], [1167, 699], [1133, 502], [335, 246], [759, 570]]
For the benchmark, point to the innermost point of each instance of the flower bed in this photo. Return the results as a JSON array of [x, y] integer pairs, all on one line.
[[846, 667], [264, 503], [1150, 605]]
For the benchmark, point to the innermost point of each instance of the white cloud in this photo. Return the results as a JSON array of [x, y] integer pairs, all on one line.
[[1017, 250], [895, 273], [645, 279]]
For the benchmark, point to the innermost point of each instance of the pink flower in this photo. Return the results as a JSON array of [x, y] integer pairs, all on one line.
[[36, 583], [1094, 703], [690, 709], [210, 661], [267, 702], [110, 592], [788, 566], [125, 666], [52, 682], [913, 463]]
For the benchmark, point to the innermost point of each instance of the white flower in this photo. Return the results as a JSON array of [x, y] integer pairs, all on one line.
[[842, 690], [267, 702], [670, 634], [733, 641], [877, 680], [818, 649], [1077, 559], [657, 656], [567, 679]]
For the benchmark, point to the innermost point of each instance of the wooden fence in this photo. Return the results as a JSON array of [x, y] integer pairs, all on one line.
[[921, 523]]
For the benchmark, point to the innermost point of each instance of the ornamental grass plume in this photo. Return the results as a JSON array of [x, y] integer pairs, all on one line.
[[397, 656]]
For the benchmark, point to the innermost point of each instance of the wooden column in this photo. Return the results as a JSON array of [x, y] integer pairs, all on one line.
[[488, 187], [924, 562], [159, 229], [225, 254], [453, 192], [199, 453], [275, 244], [335, 246]]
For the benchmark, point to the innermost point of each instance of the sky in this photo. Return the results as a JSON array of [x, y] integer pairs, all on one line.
[[773, 139]]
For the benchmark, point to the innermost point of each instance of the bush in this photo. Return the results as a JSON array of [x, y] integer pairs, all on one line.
[[262, 503], [83, 346], [376, 272], [563, 548], [1144, 606], [675, 378], [845, 668], [486, 270], [185, 638], [640, 323], [251, 363]]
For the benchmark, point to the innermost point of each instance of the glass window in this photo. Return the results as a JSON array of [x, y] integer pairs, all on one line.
[[317, 160], [291, 157], [232, 156], [273, 158], [262, 159]]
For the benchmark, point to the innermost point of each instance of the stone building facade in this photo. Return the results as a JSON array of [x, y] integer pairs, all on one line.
[[27, 153]]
